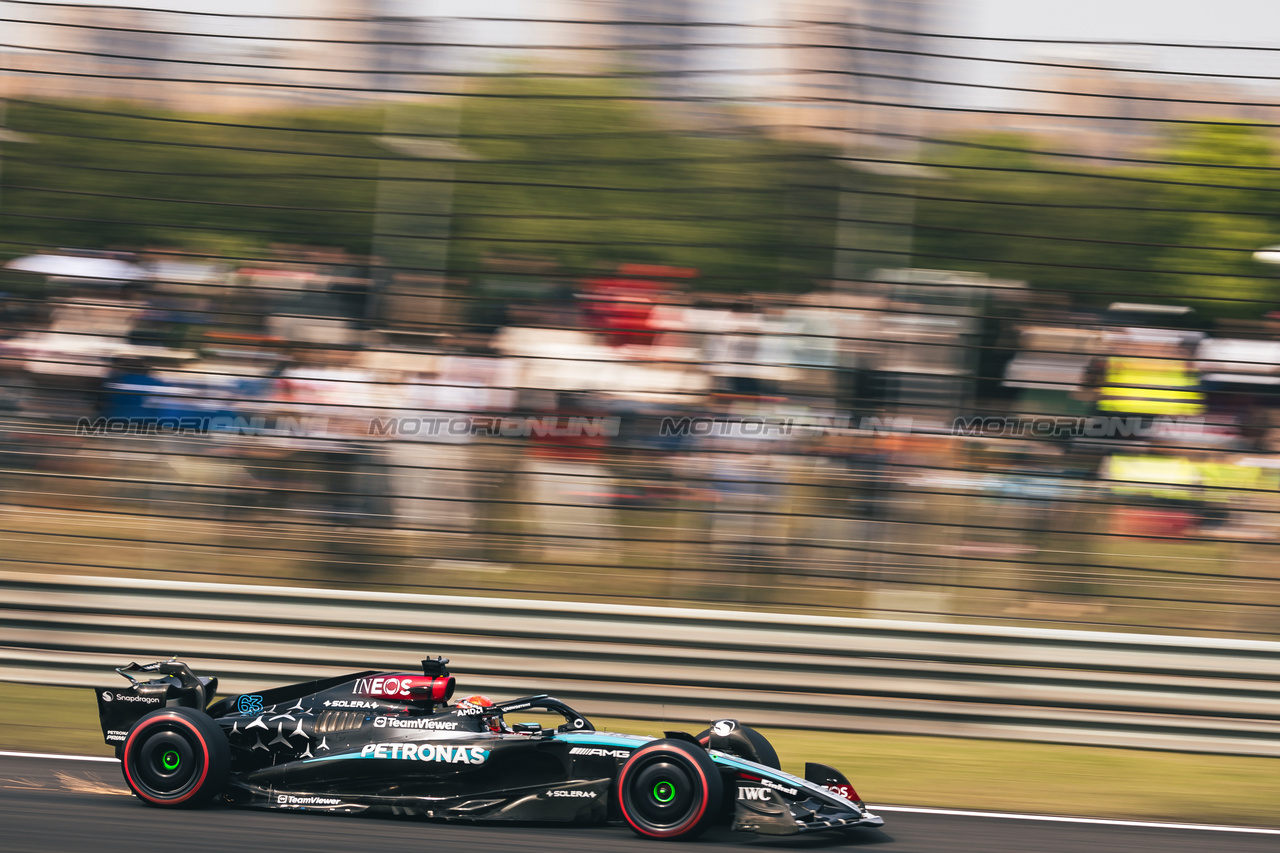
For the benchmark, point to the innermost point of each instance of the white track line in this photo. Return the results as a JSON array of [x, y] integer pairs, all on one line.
[[8, 754], [1096, 821]]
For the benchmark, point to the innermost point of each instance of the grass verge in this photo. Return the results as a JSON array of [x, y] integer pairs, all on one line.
[[944, 772]]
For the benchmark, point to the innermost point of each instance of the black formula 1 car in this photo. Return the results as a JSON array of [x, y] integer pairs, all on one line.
[[392, 743]]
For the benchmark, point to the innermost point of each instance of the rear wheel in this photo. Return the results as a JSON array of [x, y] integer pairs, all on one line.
[[669, 789], [175, 758], [745, 742]]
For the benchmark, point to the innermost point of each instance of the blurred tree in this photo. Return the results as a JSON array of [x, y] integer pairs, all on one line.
[[588, 173], [585, 171], [581, 171], [1169, 232], [1059, 223], [1224, 204], [121, 174]]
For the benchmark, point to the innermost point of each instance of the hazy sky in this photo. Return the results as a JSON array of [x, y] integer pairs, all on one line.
[[1214, 22], [1255, 22], [1223, 21], [1252, 22]]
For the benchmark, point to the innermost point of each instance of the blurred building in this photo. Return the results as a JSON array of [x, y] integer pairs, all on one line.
[[801, 61], [846, 65], [1108, 106]]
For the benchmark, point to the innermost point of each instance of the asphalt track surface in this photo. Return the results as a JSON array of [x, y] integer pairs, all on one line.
[[52, 806]]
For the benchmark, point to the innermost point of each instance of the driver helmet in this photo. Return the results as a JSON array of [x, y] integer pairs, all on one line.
[[476, 705]]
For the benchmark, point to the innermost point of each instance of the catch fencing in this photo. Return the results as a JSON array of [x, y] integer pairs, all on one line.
[[626, 304], [669, 663]]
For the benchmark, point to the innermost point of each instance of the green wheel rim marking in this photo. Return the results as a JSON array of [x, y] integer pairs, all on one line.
[[664, 792], [170, 760]]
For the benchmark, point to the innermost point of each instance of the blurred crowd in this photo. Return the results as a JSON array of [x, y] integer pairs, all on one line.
[[629, 416]]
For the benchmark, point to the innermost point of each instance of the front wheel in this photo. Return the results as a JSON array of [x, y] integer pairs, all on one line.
[[669, 789], [175, 758], [742, 741]]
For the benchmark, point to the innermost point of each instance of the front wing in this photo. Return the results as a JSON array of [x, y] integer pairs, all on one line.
[[773, 802]]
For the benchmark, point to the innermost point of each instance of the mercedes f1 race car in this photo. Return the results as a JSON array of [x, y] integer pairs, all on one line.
[[395, 743]]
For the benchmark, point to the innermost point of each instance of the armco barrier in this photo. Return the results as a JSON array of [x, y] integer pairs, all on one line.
[[848, 674]]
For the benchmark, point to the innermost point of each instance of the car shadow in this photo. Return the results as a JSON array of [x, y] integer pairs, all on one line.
[[813, 841]]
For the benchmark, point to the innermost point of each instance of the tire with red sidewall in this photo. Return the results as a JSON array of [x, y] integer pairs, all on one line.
[[669, 789], [175, 758]]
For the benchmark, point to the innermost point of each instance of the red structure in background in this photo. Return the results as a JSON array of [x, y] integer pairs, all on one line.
[[619, 307]]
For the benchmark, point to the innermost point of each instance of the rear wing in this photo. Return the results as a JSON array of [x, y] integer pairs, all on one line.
[[151, 686]]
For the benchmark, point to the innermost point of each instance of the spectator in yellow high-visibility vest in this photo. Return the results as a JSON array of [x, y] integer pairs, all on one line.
[[1151, 386]]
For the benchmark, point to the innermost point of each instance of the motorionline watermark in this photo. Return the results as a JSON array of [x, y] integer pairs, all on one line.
[[739, 427], [552, 426], [201, 425], [1079, 427], [547, 426]]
